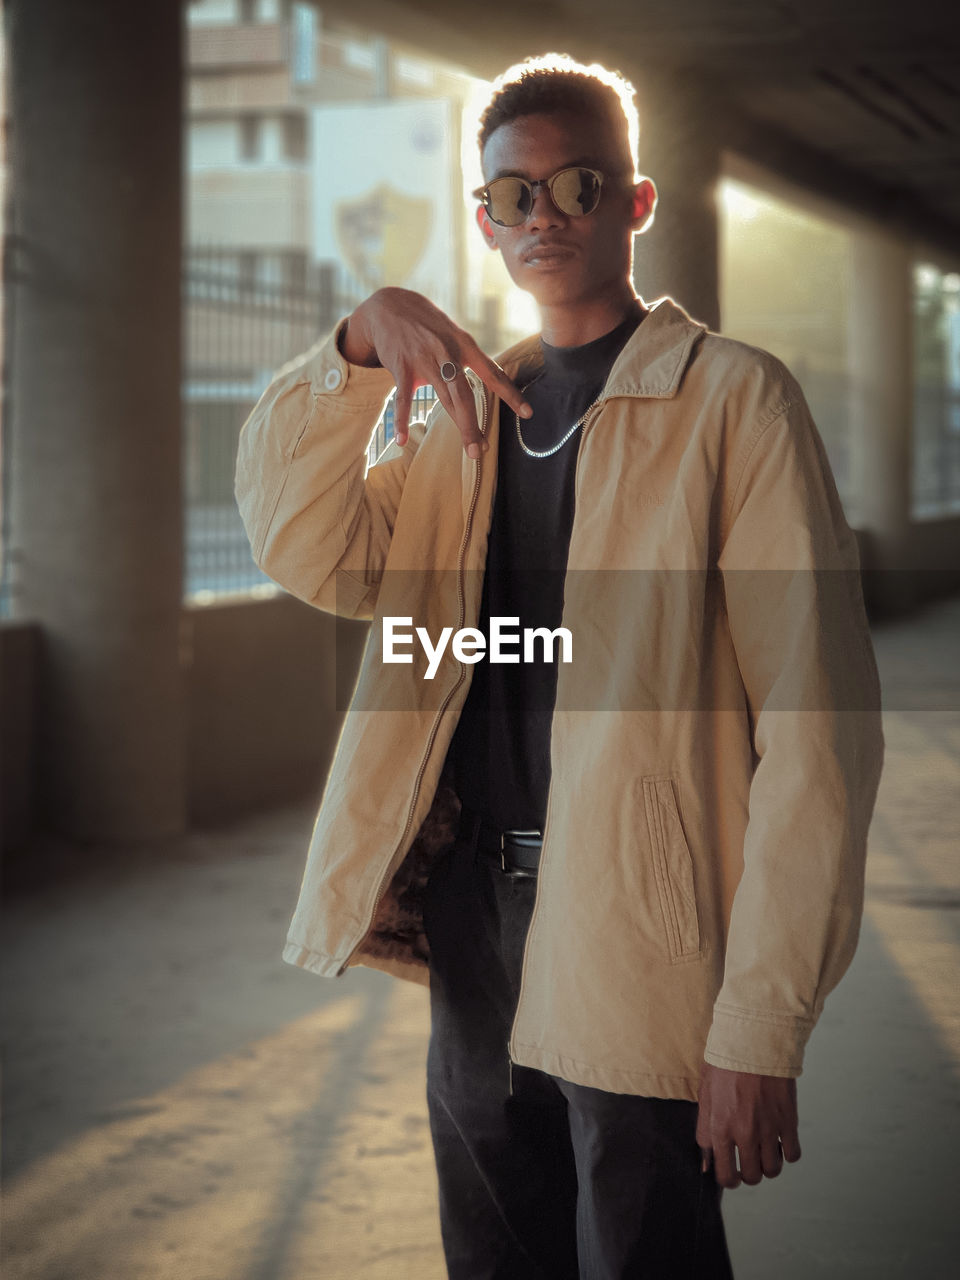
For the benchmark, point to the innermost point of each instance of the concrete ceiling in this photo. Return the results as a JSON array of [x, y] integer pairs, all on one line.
[[859, 98]]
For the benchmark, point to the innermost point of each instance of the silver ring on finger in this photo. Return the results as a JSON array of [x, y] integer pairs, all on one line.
[[449, 371]]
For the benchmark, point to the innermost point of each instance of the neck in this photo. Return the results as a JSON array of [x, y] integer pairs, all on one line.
[[573, 324]]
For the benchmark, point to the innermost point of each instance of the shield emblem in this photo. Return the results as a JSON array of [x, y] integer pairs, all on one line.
[[382, 235]]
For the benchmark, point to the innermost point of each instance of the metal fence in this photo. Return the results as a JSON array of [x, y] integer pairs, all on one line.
[[238, 330], [424, 398]]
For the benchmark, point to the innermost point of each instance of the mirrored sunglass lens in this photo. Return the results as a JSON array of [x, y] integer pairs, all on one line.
[[509, 201], [576, 192]]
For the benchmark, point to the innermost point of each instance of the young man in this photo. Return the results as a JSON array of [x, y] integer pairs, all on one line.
[[631, 881]]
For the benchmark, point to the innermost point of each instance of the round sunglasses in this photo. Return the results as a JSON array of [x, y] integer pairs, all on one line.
[[574, 191]]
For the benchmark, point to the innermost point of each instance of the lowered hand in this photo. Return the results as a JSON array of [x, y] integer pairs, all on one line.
[[750, 1115]]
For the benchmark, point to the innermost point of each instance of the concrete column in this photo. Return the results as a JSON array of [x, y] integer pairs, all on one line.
[[881, 401], [94, 404], [679, 150]]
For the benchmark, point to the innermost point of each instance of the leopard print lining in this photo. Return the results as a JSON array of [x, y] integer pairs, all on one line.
[[397, 929]]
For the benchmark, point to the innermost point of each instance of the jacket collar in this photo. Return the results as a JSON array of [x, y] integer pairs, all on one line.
[[651, 364]]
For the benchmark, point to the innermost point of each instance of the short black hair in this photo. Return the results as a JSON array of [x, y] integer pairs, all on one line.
[[556, 82]]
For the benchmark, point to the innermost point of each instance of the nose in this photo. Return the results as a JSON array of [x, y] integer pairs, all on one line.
[[543, 212]]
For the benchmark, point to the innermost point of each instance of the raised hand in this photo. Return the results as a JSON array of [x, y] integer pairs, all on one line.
[[404, 332]]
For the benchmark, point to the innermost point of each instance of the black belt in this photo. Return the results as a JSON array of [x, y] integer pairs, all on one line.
[[518, 851]]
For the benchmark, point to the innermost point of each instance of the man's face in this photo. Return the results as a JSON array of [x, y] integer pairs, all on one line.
[[563, 260]]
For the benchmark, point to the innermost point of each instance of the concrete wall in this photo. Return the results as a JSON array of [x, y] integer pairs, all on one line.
[[261, 720], [92, 403], [932, 559], [260, 682]]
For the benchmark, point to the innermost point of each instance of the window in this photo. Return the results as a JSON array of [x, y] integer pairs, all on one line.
[[784, 286], [360, 57], [414, 71], [212, 144], [212, 13], [303, 37], [936, 391], [295, 136], [250, 137]]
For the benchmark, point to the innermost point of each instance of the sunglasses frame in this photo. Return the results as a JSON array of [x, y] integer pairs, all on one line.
[[483, 193]]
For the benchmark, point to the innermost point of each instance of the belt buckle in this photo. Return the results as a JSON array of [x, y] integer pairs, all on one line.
[[516, 872]]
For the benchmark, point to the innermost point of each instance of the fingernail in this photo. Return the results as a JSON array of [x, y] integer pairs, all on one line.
[[526, 411], [473, 450], [484, 445]]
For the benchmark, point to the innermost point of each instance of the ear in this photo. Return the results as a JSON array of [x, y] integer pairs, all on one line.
[[486, 227], [644, 203]]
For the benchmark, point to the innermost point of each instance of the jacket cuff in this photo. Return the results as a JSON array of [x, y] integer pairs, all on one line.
[[765, 1044]]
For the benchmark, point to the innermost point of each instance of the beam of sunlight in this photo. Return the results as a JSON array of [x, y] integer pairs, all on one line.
[[912, 885], [305, 1154]]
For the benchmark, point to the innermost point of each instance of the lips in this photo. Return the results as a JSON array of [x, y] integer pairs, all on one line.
[[547, 252]]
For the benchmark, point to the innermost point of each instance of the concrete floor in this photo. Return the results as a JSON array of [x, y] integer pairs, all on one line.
[[179, 1103]]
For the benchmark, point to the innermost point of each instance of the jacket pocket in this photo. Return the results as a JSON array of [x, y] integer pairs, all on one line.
[[673, 866]]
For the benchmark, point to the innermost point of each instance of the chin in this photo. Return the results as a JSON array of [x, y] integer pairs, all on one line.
[[554, 289]]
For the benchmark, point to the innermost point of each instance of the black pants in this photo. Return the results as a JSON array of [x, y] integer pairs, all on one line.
[[541, 1179]]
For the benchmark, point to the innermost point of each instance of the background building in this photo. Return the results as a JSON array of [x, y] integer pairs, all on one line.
[[321, 163]]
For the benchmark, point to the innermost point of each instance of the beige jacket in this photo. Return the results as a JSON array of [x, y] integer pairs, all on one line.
[[716, 745]]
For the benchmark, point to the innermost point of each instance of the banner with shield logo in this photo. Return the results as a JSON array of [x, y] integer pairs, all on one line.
[[382, 194]]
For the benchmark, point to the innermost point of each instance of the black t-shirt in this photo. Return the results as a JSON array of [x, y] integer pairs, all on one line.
[[500, 752]]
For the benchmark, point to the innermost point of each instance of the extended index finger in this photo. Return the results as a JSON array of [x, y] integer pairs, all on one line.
[[497, 381]]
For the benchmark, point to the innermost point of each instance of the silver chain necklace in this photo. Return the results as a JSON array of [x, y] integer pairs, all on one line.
[[545, 453]]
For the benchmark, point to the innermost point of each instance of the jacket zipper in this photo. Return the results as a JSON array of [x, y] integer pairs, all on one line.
[[468, 524], [511, 1043]]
